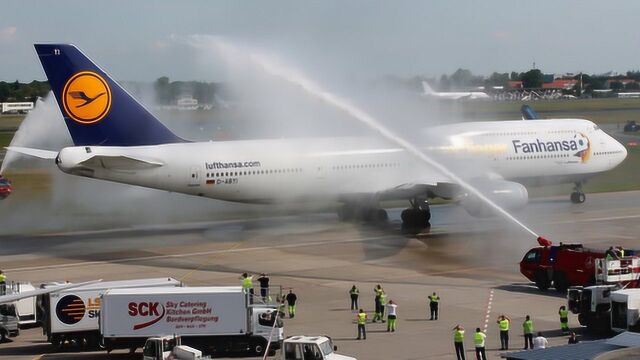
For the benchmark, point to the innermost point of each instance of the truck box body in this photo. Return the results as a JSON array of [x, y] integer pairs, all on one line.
[[167, 311], [216, 320], [76, 311]]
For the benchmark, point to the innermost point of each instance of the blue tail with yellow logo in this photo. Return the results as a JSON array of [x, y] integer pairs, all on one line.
[[95, 108]]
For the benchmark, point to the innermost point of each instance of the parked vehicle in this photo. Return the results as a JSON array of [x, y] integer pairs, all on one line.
[[71, 316], [216, 320], [8, 322], [311, 347], [631, 126], [170, 347], [568, 265]]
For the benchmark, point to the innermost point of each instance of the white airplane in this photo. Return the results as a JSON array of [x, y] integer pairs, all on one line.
[[117, 139], [458, 95]]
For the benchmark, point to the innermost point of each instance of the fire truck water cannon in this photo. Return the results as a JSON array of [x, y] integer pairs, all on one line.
[[544, 241]]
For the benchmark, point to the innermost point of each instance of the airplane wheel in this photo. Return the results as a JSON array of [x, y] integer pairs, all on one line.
[[578, 197]]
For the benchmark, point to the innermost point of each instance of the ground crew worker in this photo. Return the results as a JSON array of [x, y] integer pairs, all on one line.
[[264, 286], [391, 316], [3, 283], [527, 328], [354, 293], [458, 341], [564, 319], [479, 338], [378, 291], [503, 323], [247, 286], [383, 303], [281, 308], [573, 339], [620, 251], [611, 254], [291, 300], [362, 320], [433, 305]]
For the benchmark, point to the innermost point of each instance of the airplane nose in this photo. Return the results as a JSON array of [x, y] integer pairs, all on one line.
[[621, 152]]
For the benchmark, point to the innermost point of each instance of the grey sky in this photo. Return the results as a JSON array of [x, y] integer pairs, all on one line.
[[361, 39]]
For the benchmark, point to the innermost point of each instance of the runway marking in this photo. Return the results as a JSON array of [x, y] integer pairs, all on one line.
[[183, 278], [460, 270], [488, 311], [199, 253], [609, 218]]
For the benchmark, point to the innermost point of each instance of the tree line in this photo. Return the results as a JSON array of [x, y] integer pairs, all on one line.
[[18, 92]]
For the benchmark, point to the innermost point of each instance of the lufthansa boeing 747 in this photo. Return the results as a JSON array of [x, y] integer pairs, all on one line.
[[117, 139]]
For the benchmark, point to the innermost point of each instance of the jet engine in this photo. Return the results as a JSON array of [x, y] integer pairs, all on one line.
[[507, 194]]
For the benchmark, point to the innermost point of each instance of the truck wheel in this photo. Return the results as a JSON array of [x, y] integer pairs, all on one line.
[[560, 282], [258, 347], [542, 280]]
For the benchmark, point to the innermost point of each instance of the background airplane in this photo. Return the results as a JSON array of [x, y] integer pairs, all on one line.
[[459, 95]]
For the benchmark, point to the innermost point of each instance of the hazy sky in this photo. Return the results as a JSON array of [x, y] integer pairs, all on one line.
[[361, 39]]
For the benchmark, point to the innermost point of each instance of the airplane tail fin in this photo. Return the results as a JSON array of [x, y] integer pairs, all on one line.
[[427, 88], [95, 108]]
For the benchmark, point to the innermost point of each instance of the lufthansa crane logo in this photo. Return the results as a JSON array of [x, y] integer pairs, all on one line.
[[86, 97], [70, 309]]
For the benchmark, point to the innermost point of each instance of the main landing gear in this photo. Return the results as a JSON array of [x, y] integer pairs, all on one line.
[[417, 216], [577, 196]]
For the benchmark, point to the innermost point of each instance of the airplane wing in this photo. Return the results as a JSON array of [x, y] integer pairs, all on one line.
[[120, 162], [39, 153], [27, 294]]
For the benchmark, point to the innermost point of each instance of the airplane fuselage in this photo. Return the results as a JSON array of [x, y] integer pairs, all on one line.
[[265, 171]]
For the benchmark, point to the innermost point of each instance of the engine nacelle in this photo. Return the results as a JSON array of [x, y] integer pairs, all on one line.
[[507, 194]]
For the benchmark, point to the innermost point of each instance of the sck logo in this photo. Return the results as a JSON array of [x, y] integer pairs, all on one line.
[[153, 310]]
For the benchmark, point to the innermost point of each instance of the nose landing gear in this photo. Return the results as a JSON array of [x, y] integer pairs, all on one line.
[[577, 196]]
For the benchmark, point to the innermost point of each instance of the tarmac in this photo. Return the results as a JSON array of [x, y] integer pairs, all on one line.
[[471, 263]]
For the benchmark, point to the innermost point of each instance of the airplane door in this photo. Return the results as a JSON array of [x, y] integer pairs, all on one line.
[[194, 177]]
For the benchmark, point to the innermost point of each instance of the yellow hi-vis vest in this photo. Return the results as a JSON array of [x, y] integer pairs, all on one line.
[[478, 339], [247, 283], [527, 326], [354, 291], [504, 325], [383, 298], [434, 298], [3, 278], [362, 318], [621, 252], [563, 314], [458, 336]]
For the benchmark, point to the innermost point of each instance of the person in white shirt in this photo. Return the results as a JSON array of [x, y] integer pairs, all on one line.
[[391, 315], [540, 342]]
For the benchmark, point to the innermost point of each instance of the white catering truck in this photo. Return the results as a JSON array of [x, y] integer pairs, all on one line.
[[215, 320], [71, 316]]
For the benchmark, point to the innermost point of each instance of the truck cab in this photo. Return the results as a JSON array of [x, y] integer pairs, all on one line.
[[311, 348], [169, 347], [592, 304]]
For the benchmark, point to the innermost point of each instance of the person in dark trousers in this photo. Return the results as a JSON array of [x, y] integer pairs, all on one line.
[[458, 341], [503, 323], [479, 340], [264, 286], [378, 304], [433, 305], [3, 283], [291, 300], [354, 293], [362, 321], [527, 327], [573, 339]]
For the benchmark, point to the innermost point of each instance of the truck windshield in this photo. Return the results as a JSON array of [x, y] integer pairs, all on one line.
[[532, 256], [326, 347], [149, 349], [8, 310]]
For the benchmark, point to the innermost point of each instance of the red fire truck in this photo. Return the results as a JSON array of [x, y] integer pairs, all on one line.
[[567, 265]]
